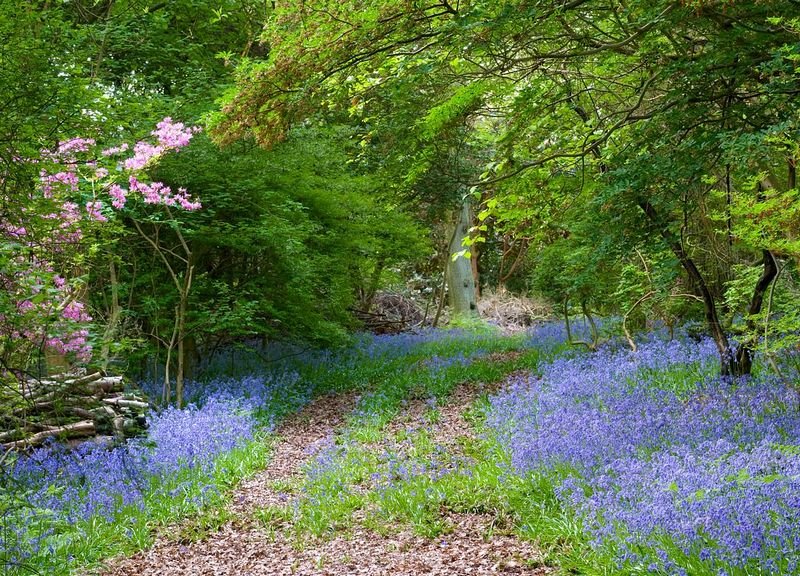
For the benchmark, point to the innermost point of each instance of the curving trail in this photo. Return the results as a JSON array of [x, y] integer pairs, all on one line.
[[243, 547]]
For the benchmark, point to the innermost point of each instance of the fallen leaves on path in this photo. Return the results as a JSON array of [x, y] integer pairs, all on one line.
[[297, 437], [242, 548], [236, 552]]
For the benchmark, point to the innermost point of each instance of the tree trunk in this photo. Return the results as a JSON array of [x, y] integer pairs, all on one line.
[[744, 352], [727, 359], [191, 354], [732, 363], [460, 279], [374, 282], [114, 316], [476, 276], [181, 332]]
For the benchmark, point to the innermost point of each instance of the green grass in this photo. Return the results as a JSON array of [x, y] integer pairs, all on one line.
[[180, 510], [365, 468]]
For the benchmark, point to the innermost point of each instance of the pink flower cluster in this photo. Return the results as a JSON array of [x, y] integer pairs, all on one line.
[[75, 342], [67, 150], [67, 227], [143, 153], [169, 135], [158, 193], [114, 150], [93, 211], [12, 231], [69, 334], [173, 135], [66, 178], [57, 322], [118, 196], [49, 226]]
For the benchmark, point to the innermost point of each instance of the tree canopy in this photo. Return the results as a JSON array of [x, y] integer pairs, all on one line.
[[660, 120], [632, 158]]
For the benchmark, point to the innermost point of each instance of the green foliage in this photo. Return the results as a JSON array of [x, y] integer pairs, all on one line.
[[43, 84], [285, 241], [601, 130], [473, 324], [464, 100]]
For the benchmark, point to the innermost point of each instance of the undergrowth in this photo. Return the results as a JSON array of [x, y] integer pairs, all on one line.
[[62, 510], [611, 463]]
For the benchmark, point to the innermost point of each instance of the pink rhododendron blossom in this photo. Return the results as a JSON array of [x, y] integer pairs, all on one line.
[[13, 231], [72, 342], [93, 210], [118, 196], [143, 153], [69, 231], [69, 215], [75, 311], [171, 134], [67, 179], [66, 150], [115, 150], [75, 145], [185, 200], [159, 193]]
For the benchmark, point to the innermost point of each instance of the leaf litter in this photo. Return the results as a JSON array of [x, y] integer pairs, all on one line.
[[243, 547]]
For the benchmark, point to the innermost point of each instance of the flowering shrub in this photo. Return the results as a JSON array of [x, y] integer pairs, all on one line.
[[663, 461], [43, 230]]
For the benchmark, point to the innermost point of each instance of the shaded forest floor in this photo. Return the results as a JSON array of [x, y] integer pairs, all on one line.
[[270, 524], [438, 453]]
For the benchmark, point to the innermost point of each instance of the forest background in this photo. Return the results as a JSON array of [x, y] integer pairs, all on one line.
[[626, 159]]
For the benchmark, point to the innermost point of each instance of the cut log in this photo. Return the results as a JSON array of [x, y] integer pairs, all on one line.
[[119, 426], [51, 404], [89, 384], [107, 384], [89, 378], [75, 430], [47, 407], [126, 403], [82, 413]]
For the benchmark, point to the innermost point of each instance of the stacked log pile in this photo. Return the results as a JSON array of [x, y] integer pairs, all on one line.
[[70, 407], [391, 313], [512, 313]]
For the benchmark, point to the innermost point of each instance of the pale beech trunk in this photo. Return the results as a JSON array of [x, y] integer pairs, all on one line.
[[460, 277]]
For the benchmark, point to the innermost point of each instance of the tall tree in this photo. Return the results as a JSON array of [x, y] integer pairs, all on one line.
[[657, 103]]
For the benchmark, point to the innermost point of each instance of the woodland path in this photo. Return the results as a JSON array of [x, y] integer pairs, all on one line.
[[245, 547]]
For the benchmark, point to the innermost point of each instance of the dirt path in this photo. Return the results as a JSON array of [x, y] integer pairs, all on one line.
[[298, 437], [243, 548]]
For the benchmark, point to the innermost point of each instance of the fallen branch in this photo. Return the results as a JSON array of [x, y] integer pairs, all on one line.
[[122, 402], [78, 429]]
